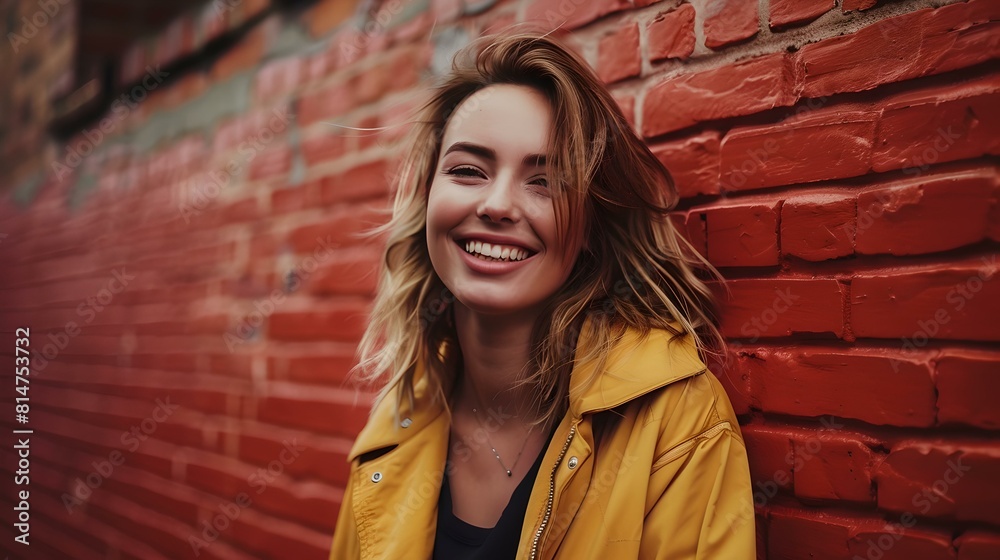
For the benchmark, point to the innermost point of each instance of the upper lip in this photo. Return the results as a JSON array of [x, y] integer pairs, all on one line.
[[493, 238]]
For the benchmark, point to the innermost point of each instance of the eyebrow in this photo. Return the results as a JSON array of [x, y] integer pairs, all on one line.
[[489, 154]]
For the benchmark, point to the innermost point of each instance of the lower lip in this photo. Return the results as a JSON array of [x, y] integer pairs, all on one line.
[[491, 267]]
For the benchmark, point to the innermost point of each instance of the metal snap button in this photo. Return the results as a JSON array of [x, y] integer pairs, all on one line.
[[573, 461], [406, 423], [377, 476]]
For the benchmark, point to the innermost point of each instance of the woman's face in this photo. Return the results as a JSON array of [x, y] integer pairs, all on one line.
[[489, 195]]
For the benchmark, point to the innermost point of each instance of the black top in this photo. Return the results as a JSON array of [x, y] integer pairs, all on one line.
[[458, 540]]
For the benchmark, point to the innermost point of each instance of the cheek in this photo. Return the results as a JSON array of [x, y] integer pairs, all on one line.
[[439, 209]]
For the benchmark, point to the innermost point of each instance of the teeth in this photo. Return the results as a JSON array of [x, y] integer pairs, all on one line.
[[487, 251]]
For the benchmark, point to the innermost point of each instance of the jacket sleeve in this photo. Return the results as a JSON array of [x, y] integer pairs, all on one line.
[[345, 535], [702, 499]]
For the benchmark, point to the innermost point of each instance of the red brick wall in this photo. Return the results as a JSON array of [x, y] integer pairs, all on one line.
[[195, 290]]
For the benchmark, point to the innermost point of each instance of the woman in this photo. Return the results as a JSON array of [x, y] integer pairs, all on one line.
[[540, 325]]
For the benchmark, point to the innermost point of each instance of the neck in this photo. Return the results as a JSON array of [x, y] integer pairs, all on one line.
[[495, 350]]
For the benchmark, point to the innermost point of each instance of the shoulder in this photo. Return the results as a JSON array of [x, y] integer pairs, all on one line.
[[687, 412]]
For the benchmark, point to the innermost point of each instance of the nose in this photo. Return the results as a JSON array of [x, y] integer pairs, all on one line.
[[499, 200]]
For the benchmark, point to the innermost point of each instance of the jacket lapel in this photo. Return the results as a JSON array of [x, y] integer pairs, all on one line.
[[396, 493]]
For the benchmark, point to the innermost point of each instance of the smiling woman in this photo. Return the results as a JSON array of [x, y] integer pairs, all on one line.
[[542, 331]]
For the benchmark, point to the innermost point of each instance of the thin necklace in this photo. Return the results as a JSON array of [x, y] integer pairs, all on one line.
[[475, 413]]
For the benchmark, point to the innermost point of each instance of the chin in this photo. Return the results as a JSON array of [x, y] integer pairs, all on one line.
[[494, 305]]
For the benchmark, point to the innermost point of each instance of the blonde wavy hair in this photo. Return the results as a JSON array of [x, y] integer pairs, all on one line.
[[636, 272]]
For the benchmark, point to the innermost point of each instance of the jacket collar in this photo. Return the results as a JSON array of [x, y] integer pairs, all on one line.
[[637, 364]]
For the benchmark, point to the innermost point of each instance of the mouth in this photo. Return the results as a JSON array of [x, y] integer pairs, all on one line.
[[494, 252]]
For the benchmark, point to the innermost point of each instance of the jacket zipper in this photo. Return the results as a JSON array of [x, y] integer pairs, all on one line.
[[552, 480], [552, 491]]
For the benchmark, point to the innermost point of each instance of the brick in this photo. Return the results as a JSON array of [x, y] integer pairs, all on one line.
[[769, 450], [743, 88], [794, 535], [736, 384], [820, 146], [295, 199], [894, 541], [946, 38], [694, 231], [331, 368], [329, 102], [966, 381], [730, 21], [627, 104], [780, 307], [310, 510], [931, 131], [978, 545], [571, 14], [272, 164], [324, 458], [345, 321], [364, 181], [857, 5], [618, 55], [241, 211], [326, 411], [266, 536], [671, 34], [348, 275], [870, 387], [818, 227], [951, 480], [326, 15], [278, 77], [993, 222], [396, 71], [833, 467], [693, 163], [341, 227], [325, 147], [960, 302], [906, 219], [743, 235], [786, 13]]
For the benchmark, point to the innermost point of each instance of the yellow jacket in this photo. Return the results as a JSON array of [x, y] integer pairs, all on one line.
[[670, 479]]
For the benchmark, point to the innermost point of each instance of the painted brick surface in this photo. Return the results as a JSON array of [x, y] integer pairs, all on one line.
[[196, 279]]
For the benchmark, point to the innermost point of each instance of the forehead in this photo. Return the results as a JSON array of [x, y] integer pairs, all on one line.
[[505, 117]]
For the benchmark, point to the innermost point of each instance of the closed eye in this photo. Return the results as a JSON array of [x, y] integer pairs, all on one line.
[[465, 171]]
